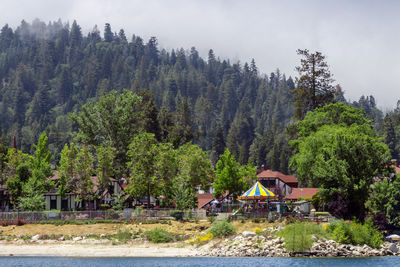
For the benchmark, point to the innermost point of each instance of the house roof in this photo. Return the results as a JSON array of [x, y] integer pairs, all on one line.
[[305, 193], [275, 174], [204, 199]]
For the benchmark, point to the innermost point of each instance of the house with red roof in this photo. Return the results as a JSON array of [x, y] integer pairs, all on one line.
[[301, 193], [279, 183], [203, 200]]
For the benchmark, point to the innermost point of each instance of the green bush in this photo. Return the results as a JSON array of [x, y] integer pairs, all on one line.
[[222, 228], [123, 235], [355, 233], [177, 214], [211, 219], [297, 235], [158, 235]]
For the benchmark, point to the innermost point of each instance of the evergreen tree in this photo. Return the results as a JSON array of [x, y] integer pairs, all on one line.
[[314, 87], [108, 35]]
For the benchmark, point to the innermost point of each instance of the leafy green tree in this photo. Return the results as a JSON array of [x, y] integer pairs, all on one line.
[[314, 86], [385, 199], [143, 153], [392, 207], [231, 177], [340, 153], [113, 121], [166, 172], [83, 185], [15, 183], [76, 169], [194, 169], [37, 184], [390, 136], [105, 157], [67, 170]]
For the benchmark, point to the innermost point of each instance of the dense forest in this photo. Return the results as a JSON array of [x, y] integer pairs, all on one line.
[[48, 71]]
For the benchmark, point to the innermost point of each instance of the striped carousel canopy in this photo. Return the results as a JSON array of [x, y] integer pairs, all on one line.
[[257, 191]]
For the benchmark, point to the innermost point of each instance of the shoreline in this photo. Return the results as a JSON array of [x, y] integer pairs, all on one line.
[[132, 250], [92, 251]]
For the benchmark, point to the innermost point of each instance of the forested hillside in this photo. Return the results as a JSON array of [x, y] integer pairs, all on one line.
[[49, 70]]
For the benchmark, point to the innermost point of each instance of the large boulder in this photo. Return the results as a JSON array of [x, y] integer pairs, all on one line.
[[35, 238], [393, 248]]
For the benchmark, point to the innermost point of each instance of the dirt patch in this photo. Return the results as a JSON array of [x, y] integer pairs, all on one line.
[[68, 229]]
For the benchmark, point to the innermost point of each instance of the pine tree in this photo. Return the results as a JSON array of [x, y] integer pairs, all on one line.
[[314, 87], [108, 35]]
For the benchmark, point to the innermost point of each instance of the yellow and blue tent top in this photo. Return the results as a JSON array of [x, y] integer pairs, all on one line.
[[257, 191]]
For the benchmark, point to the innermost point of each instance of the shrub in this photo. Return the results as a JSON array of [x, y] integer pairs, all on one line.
[[222, 228], [355, 233], [158, 235], [19, 222], [5, 223], [201, 239], [177, 214], [257, 230], [123, 235], [297, 235], [211, 219]]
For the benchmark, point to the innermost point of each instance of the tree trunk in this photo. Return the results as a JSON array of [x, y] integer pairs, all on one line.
[[148, 195]]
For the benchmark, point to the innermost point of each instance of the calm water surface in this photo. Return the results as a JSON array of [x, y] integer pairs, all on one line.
[[192, 262]]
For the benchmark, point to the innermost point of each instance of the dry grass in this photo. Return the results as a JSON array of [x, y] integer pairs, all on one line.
[[194, 228], [101, 228]]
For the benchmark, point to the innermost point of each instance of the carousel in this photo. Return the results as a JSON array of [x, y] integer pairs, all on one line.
[[257, 198]]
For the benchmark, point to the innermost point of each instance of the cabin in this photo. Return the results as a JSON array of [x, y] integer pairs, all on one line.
[[71, 201], [280, 184]]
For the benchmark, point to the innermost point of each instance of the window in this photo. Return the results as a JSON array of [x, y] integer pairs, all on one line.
[[64, 204], [53, 204]]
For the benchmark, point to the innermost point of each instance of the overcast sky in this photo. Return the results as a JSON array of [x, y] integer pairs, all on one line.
[[361, 39]]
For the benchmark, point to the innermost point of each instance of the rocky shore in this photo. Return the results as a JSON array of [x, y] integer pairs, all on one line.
[[246, 244], [249, 244]]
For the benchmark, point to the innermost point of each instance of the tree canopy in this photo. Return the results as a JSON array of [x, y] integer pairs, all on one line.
[[340, 153], [231, 177]]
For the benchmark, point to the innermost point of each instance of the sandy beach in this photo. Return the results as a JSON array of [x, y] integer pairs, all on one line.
[[85, 250]]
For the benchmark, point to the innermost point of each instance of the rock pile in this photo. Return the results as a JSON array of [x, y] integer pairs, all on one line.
[[330, 248], [248, 244]]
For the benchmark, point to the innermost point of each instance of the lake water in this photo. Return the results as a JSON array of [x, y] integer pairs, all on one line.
[[193, 262]]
